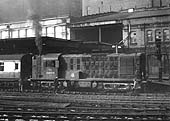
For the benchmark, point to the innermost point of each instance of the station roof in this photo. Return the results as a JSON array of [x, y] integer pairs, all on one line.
[[11, 57], [49, 45]]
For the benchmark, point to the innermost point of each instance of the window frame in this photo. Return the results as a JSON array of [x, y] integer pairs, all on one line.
[[168, 35], [1, 66], [16, 66], [50, 63], [149, 39]]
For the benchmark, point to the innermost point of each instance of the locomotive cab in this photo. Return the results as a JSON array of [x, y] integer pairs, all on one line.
[[45, 67], [44, 72]]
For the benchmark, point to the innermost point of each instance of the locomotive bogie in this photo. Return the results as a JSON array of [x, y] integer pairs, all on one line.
[[39, 86], [118, 86]]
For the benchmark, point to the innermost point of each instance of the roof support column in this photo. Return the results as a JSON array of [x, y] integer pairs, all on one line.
[[129, 33], [100, 34]]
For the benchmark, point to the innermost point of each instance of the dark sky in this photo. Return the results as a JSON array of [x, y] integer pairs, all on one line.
[[18, 10]]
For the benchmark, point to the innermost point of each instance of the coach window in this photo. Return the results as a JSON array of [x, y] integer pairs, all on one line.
[[166, 35], [1, 66], [149, 36], [16, 66]]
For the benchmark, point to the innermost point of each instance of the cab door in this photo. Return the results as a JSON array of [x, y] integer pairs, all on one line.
[[50, 69]]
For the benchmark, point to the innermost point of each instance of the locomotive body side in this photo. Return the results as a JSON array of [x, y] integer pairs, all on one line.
[[125, 70], [101, 71], [73, 66], [87, 72]]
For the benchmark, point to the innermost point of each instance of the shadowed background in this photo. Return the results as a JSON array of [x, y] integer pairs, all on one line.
[[19, 10]]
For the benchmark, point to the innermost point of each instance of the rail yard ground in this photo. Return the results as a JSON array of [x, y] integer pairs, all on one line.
[[70, 107]]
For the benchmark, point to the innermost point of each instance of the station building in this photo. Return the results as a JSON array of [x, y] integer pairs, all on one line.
[[54, 17], [135, 23], [90, 7], [135, 26], [51, 27]]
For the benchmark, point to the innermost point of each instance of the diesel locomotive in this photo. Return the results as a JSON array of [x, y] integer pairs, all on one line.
[[71, 72]]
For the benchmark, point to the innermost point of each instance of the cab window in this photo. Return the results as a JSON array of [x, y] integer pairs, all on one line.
[[50, 63]]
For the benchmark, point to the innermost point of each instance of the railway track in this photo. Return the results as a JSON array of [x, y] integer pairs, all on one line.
[[54, 111], [25, 106]]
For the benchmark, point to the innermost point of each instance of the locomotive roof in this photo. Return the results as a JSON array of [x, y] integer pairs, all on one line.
[[124, 54], [11, 57], [77, 55], [120, 80]]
